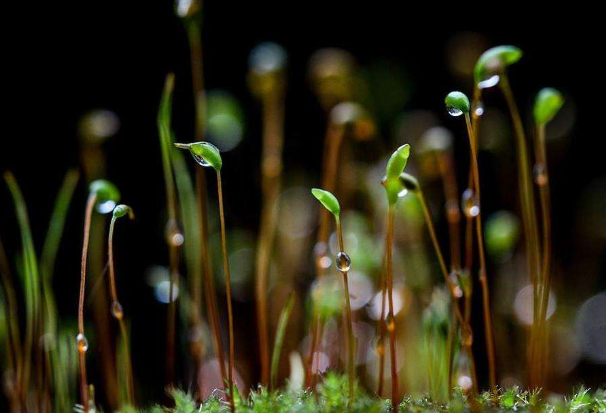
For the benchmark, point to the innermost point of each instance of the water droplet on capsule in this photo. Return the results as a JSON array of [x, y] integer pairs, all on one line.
[[452, 111], [199, 159], [343, 262], [489, 82], [478, 109], [540, 174], [106, 207], [117, 311], [82, 343], [470, 203]]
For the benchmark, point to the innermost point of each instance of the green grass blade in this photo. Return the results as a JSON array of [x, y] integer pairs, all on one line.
[[280, 332], [51, 246], [31, 279]]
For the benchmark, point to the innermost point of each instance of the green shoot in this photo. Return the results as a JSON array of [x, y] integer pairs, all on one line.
[[207, 155], [547, 104], [343, 263], [280, 332], [394, 190], [459, 103], [101, 192], [116, 308], [493, 62]]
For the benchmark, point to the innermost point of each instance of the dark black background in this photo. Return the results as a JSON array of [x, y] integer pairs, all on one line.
[[62, 60]]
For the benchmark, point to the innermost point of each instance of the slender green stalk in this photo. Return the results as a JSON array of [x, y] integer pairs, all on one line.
[[118, 313], [279, 340], [488, 330], [227, 275]]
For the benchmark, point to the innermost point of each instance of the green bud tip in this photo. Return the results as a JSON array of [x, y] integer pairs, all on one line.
[[121, 210], [494, 60], [104, 190], [547, 104], [328, 200], [457, 103], [204, 153], [397, 162]]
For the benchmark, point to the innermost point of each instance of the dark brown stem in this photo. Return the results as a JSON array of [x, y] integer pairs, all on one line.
[[542, 181], [227, 276], [92, 199], [271, 168], [130, 386], [488, 330], [351, 367], [529, 218], [391, 326], [381, 343]]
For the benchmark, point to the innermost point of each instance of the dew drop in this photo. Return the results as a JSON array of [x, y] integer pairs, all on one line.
[[478, 109], [117, 311], [106, 207], [343, 262], [540, 174], [489, 82], [452, 111], [199, 159], [470, 203], [82, 343]]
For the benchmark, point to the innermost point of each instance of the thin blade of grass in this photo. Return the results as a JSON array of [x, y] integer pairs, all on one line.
[[31, 278], [51, 246], [280, 332]]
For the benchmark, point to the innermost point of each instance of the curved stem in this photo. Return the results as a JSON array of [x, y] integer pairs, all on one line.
[[280, 332], [227, 276], [90, 204], [488, 330], [391, 326]]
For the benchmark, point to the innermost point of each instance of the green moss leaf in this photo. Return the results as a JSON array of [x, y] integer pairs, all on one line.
[[397, 162], [547, 104], [328, 200], [494, 60], [457, 103], [205, 154], [105, 191]]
